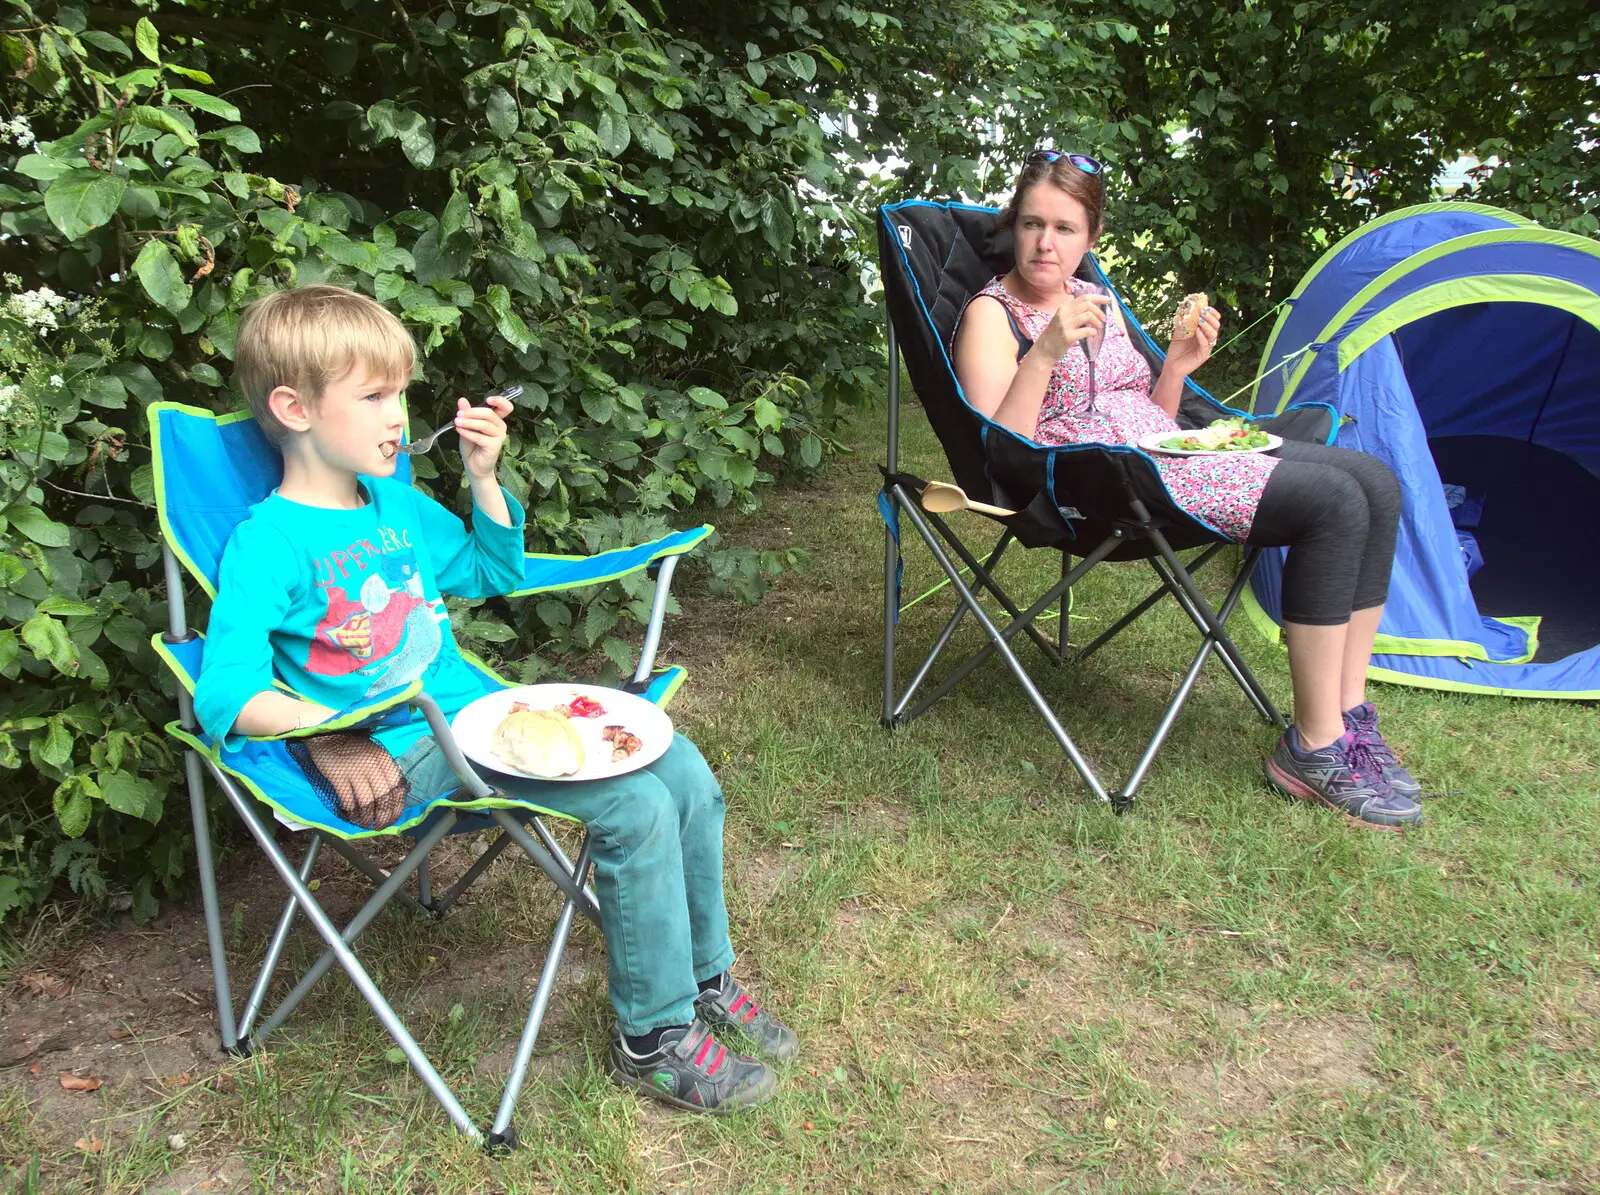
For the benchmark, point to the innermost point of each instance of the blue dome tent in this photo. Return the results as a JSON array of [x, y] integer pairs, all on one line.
[[1461, 344]]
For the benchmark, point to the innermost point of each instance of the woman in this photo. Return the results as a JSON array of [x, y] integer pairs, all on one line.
[[1019, 361]]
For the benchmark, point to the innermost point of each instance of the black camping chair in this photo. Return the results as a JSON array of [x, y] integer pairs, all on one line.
[[1089, 502]]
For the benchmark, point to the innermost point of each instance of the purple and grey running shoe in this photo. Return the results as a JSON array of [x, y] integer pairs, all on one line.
[[1343, 776], [1362, 721]]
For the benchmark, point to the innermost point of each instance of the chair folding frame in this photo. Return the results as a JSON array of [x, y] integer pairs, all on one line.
[[954, 557], [519, 826], [1116, 504]]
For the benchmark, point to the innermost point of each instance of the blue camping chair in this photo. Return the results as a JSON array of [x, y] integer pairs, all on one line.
[[209, 471]]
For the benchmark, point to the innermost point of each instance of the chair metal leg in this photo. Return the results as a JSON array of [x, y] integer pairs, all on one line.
[[998, 642], [1188, 607], [560, 856], [1065, 611], [371, 870], [939, 645], [983, 575], [897, 716], [501, 1134], [1237, 668], [891, 616], [1242, 673], [1138, 611], [891, 545], [479, 865], [269, 962], [424, 887], [1207, 620], [208, 898], [375, 904], [346, 959], [561, 876], [1027, 616], [1122, 799]]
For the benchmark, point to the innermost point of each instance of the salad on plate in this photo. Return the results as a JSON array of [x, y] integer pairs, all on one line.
[[1224, 435]]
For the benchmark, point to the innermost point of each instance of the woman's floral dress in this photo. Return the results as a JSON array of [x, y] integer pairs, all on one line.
[[1222, 491]]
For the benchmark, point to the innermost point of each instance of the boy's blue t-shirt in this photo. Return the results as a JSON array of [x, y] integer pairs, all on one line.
[[342, 605]]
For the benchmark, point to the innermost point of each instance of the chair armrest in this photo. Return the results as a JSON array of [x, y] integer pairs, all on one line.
[[652, 631], [390, 707], [186, 657], [549, 574], [1309, 423], [439, 726]]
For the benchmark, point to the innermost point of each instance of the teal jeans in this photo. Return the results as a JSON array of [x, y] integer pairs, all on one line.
[[657, 851]]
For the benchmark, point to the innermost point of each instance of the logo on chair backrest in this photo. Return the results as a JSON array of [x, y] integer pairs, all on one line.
[[905, 234]]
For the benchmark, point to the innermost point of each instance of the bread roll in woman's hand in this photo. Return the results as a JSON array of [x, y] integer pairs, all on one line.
[[1188, 317]]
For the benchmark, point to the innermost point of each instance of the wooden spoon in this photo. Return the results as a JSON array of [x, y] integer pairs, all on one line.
[[941, 498]]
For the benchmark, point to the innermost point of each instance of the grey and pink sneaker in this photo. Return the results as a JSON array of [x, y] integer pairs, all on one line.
[[1343, 776], [730, 1009], [692, 1070], [1362, 721]]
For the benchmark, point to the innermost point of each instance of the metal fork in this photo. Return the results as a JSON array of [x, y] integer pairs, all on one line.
[[427, 441]]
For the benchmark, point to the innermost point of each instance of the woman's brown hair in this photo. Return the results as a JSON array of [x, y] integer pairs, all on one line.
[[1088, 189]]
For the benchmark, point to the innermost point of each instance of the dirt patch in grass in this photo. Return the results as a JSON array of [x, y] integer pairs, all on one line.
[[1258, 1065], [761, 875], [129, 1012]]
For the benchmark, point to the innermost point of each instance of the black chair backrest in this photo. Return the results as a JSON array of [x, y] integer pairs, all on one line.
[[935, 257]]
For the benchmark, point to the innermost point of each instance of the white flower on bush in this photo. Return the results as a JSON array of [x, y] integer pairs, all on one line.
[[57, 381], [8, 399], [18, 131], [39, 309]]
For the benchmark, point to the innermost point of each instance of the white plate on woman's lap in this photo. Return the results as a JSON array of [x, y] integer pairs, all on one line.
[[1152, 441], [475, 725]]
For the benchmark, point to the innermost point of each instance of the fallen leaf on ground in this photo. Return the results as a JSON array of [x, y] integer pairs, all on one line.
[[46, 984], [90, 1144], [120, 1034], [72, 1082], [183, 1080], [34, 1069], [225, 1084]]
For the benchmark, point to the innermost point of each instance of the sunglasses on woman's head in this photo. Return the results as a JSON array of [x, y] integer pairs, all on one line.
[[1082, 161]]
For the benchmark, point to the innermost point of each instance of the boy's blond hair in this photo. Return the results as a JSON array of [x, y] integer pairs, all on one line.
[[310, 336]]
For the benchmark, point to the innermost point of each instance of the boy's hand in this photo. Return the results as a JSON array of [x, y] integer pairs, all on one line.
[[483, 434], [370, 789]]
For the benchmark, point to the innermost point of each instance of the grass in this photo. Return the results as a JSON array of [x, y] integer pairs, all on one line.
[[999, 987]]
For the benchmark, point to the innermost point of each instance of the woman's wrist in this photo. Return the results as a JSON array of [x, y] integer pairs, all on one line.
[[1041, 357]]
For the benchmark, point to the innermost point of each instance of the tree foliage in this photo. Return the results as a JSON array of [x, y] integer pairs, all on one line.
[[557, 196], [655, 219]]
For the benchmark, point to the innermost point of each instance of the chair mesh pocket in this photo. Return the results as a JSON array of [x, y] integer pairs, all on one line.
[[353, 777]]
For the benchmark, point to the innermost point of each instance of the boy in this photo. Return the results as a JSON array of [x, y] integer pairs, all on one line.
[[333, 585]]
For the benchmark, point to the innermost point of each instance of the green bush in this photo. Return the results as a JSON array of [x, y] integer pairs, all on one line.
[[657, 223], [550, 195]]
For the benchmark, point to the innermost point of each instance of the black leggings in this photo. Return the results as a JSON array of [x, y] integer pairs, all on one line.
[[1337, 512]]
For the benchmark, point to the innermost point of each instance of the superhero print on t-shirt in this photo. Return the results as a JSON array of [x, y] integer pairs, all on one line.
[[379, 623]]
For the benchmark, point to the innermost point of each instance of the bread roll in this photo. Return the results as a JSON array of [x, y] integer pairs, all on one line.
[[1187, 320], [538, 742]]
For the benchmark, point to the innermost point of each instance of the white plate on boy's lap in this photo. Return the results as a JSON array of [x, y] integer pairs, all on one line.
[[475, 725], [1156, 442]]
